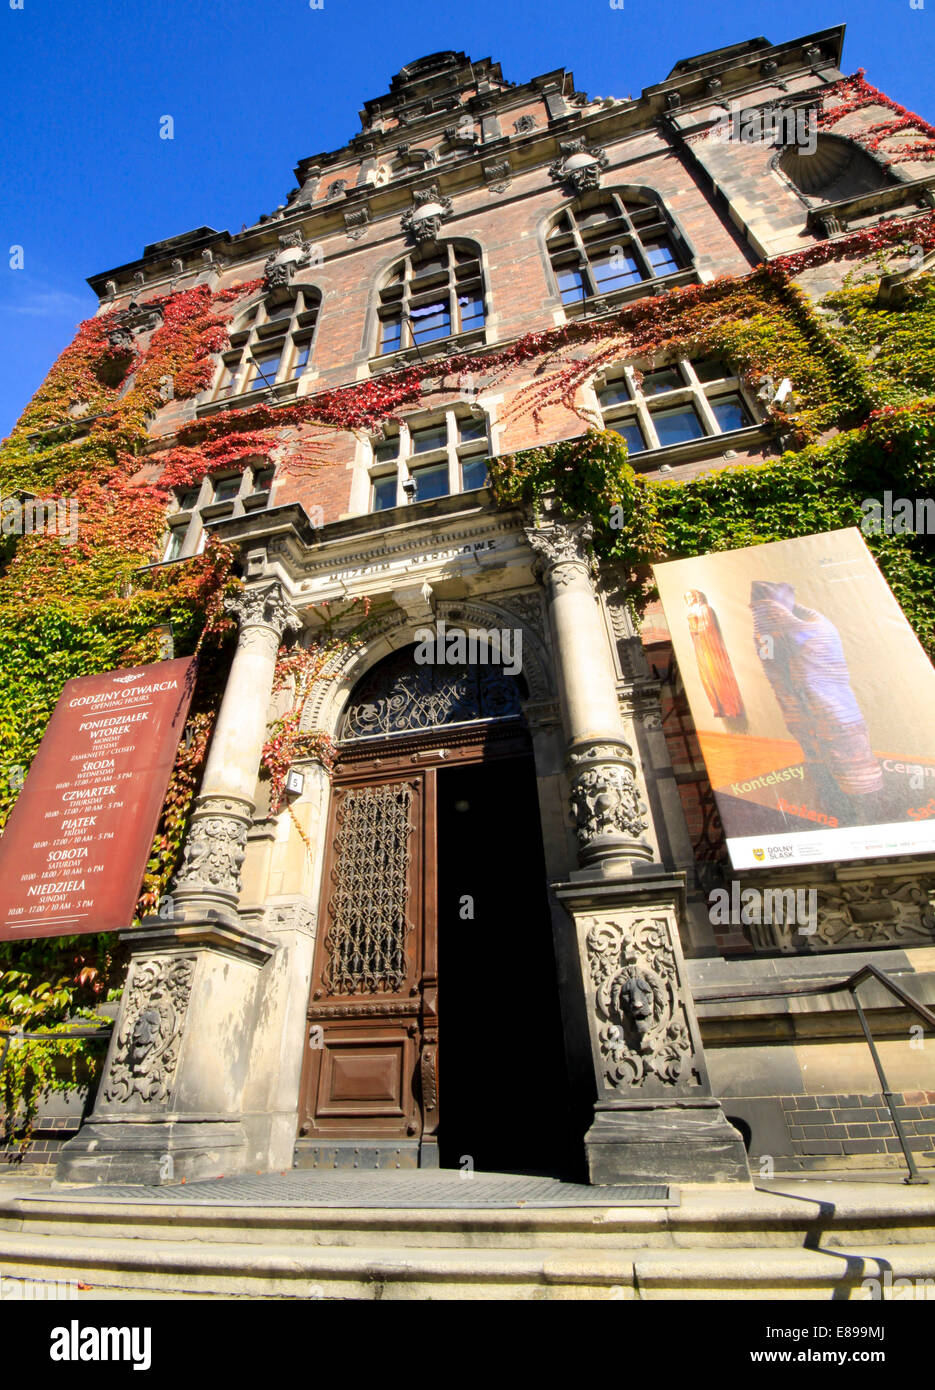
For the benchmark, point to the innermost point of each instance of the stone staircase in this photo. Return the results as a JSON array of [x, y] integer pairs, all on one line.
[[792, 1240]]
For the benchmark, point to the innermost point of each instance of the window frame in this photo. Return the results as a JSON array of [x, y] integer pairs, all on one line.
[[639, 224], [453, 453], [185, 526], [700, 395], [261, 332], [404, 289]]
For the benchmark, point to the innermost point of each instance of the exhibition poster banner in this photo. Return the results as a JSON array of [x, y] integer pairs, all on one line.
[[74, 851], [813, 701]]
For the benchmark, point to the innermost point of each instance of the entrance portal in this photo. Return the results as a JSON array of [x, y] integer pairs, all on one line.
[[434, 1021], [504, 1103]]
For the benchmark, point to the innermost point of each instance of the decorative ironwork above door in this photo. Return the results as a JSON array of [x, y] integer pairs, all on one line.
[[399, 696]]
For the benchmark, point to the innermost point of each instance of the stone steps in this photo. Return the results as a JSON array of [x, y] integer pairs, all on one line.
[[808, 1240], [196, 1269]]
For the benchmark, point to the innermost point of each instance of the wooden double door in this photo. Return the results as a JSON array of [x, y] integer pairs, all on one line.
[[405, 1043]]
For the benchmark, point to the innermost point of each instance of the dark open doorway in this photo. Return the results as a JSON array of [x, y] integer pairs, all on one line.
[[503, 1085]]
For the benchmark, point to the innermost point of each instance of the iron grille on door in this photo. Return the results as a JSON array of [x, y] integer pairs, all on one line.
[[366, 937]]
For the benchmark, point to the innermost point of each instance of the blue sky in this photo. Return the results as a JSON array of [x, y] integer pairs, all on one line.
[[255, 85]]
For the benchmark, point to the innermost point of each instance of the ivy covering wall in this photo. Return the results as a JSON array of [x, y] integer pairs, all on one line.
[[861, 421]]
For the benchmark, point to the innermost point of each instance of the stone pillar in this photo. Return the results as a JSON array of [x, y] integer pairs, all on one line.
[[208, 881], [610, 819], [655, 1119], [171, 1100]]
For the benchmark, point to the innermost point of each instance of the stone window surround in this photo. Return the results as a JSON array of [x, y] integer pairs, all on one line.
[[681, 246], [255, 486], [476, 283], [640, 409], [249, 340], [453, 452]]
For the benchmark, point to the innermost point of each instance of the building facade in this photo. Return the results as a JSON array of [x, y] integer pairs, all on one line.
[[460, 914]]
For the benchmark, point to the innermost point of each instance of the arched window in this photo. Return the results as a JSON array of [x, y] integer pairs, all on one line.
[[401, 696], [437, 291], [836, 169], [611, 242], [271, 344]]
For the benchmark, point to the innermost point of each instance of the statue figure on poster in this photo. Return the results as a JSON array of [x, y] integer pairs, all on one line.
[[714, 664]]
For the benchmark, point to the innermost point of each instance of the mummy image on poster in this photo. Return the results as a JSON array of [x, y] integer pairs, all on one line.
[[811, 698]]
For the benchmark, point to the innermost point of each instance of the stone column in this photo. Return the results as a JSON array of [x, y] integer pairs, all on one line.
[[208, 882], [609, 816], [655, 1119], [171, 1101]]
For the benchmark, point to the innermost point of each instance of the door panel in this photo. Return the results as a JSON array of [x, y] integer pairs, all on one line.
[[364, 1060]]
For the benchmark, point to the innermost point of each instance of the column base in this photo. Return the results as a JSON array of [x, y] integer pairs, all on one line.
[[152, 1155], [665, 1143]]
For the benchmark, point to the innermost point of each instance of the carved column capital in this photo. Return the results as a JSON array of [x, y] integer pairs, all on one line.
[[264, 606], [563, 550]]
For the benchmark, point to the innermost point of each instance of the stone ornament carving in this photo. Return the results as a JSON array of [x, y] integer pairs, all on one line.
[[148, 1040], [604, 797], [264, 607], [642, 1025], [524, 123], [357, 223], [498, 176], [580, 165], [292, 917], [214, 851], [563, 550], [295, 253], [858, 914], [430, 209]]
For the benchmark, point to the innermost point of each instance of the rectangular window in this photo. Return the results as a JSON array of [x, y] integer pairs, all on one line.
[[730, 413], [472, 312], [631, 433], [711, 369], [384, 492], [226, 488], [431, 482], [230, 378], [678, 425], [264, 372], [616, 271], [392, 334], [431, 321], [386, 449], [473, 474], [614, 393], [176, 541], [660, 257], [301, 358], [570, 286], [666, 379], [432, 437], [189, 498], [470, 428]]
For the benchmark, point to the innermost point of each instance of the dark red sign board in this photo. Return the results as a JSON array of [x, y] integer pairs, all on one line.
[[74, 851]]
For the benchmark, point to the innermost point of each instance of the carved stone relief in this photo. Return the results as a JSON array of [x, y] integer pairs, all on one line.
[[147, 1049], [642, 1027]]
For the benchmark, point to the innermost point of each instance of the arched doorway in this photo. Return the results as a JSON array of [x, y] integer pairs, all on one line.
[[434, 1023]]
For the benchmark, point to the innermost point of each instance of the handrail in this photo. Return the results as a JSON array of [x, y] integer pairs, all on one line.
[[851, 984]]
